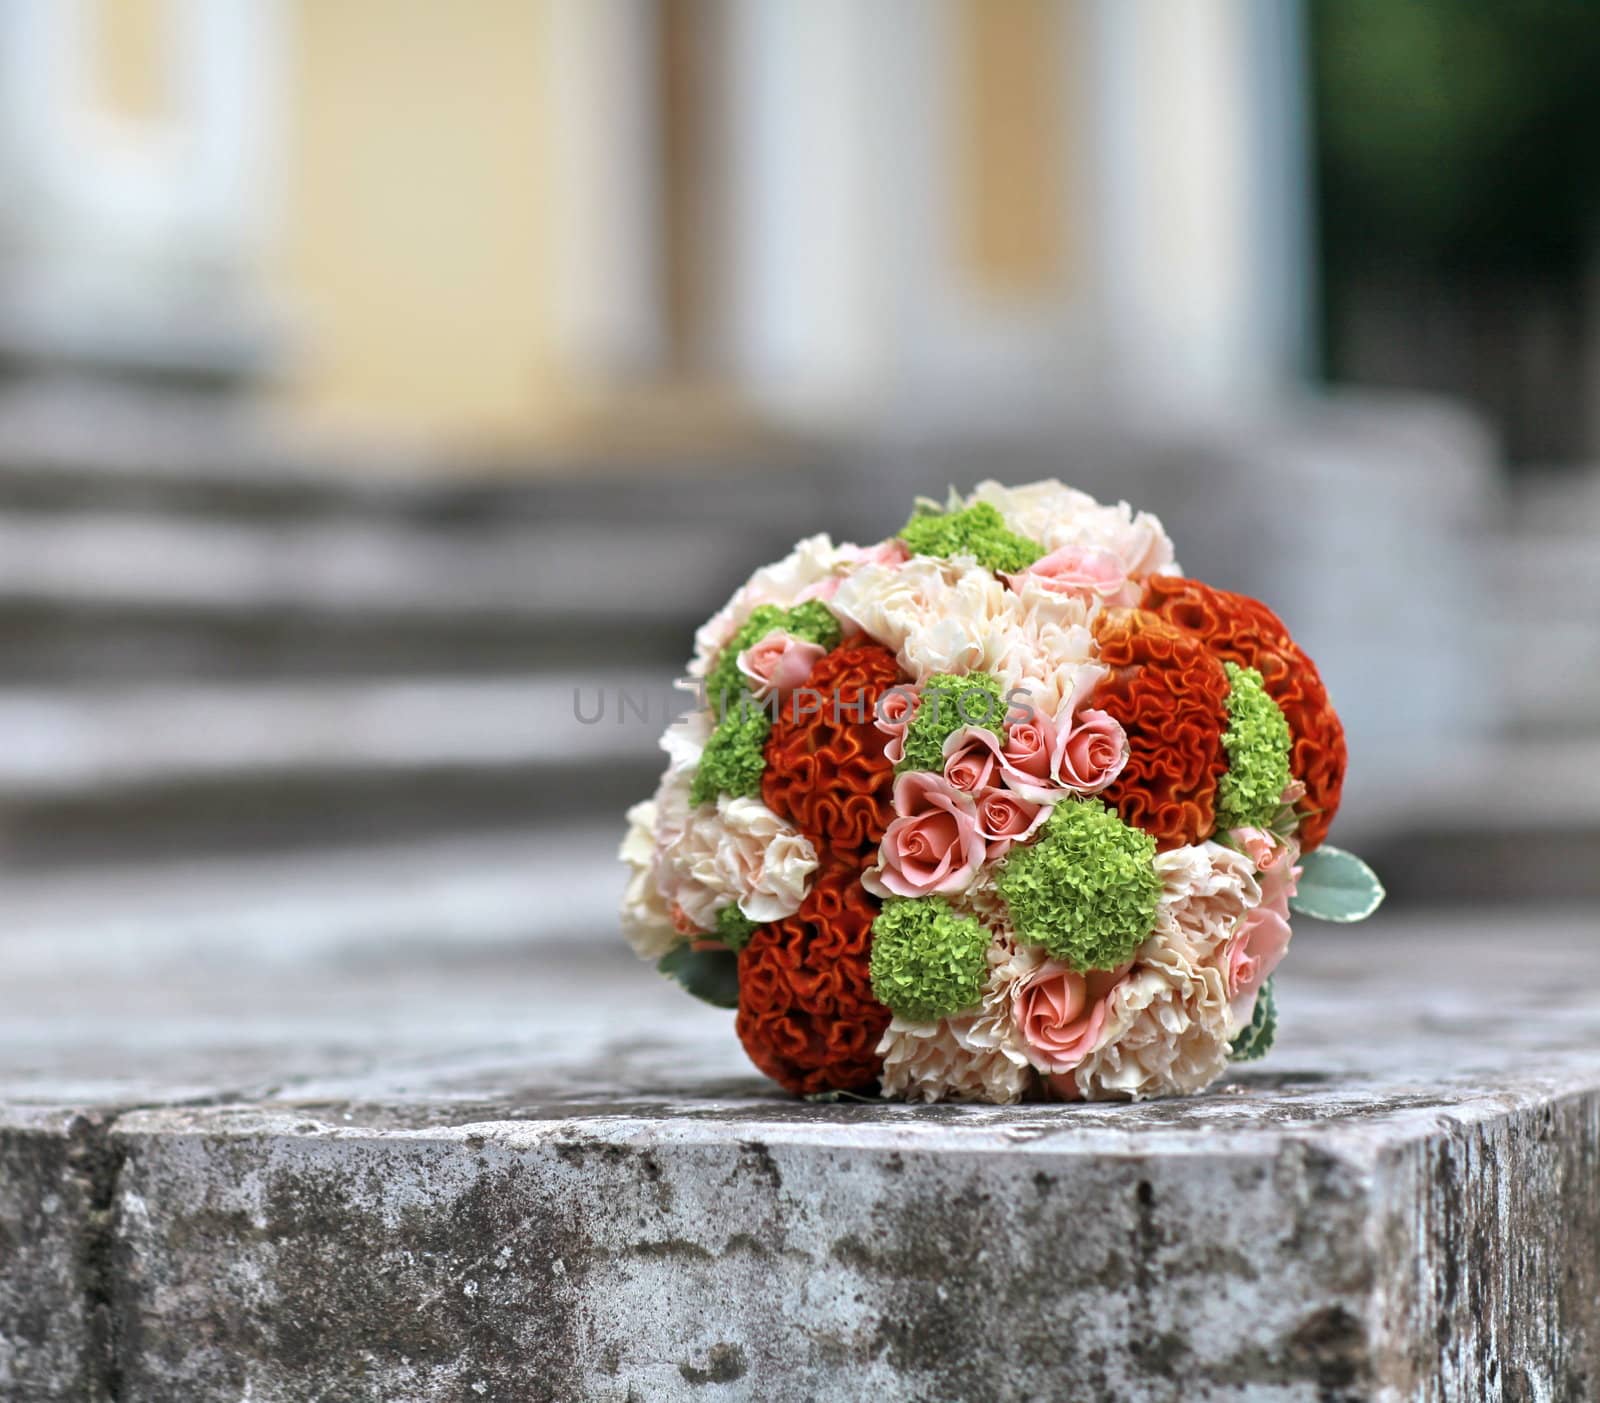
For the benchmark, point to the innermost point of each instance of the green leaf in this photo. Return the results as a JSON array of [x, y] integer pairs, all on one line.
[[710, 975], [1336, 886], [1255, 1040]]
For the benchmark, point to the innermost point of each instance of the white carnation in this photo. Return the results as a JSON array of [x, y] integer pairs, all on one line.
[[685, 741], [736, 851], [646, 922]]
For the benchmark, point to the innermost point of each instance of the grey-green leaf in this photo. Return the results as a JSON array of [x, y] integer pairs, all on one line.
[[710, 975], [1255, 1040], [1336, 886]]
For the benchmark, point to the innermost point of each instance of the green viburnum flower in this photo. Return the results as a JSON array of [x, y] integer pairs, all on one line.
[[734, 928], [949, 703], [734, 759], [927, 962], [1257, 741], [1087, 889], [814, 622], [979, 531], [1256, 1039]]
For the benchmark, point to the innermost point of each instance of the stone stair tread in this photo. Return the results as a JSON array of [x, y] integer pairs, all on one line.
[[77, 743], [382, 570], [469, 893], [556, 1177]]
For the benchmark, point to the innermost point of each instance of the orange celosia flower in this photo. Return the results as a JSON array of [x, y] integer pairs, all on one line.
[[1171, 697], [807, 1016], [1242, 630], [825, 769]]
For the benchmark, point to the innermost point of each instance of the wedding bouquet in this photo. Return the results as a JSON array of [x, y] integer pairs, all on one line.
[[1002, 807]]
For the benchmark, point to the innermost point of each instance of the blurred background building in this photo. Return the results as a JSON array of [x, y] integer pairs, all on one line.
[[376, 375]]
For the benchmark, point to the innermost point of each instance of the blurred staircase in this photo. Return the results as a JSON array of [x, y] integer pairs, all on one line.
[[1516, 819], [251, 689], [236, 680]]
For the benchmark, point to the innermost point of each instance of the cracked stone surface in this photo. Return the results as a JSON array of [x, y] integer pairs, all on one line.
[[365, 1172]]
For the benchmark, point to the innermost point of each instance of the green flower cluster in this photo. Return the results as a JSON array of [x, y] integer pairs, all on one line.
[[927, 962], [735, 758], [1257, 741], [949, 703], [1087, 889], [979, 531], [734, 928], [1256, 1040]]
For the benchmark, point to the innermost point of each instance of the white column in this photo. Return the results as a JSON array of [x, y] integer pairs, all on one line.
[[803, 331], [605, 160], [125, 236], [1201, 192]]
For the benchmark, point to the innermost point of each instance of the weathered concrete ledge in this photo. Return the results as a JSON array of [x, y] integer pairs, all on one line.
[[599, 1202]]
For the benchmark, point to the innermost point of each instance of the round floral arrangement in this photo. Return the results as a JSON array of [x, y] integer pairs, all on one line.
[[1003, 807]]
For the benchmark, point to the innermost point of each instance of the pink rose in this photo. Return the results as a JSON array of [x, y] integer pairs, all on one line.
[[1079, 571], [1256, 844], [1060, 1013], [1261, 939], [972, 758], [1005, 819], [779, 663], [1027, 760], [933, 845], [1090, 752], [891, 716]]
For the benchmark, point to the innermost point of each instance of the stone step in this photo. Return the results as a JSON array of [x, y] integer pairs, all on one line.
[[77, 446], [1552, 681], [554, 1177], [1559, 501], [173, 768], [474, 894], [98, 593]]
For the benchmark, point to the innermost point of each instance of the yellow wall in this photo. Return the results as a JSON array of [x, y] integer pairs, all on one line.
[[1011, 162], [131, 38], [414, 252]]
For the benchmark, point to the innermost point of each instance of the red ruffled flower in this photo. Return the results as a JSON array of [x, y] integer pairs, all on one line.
[[807, 1016], [825, 770], [1171, 696], [1242, 630]]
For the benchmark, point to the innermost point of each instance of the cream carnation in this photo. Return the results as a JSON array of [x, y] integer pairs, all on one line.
[[1166, 1028], [1207, 890], [1048, 650], [646, 920], [936, 615], [735, 851]]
